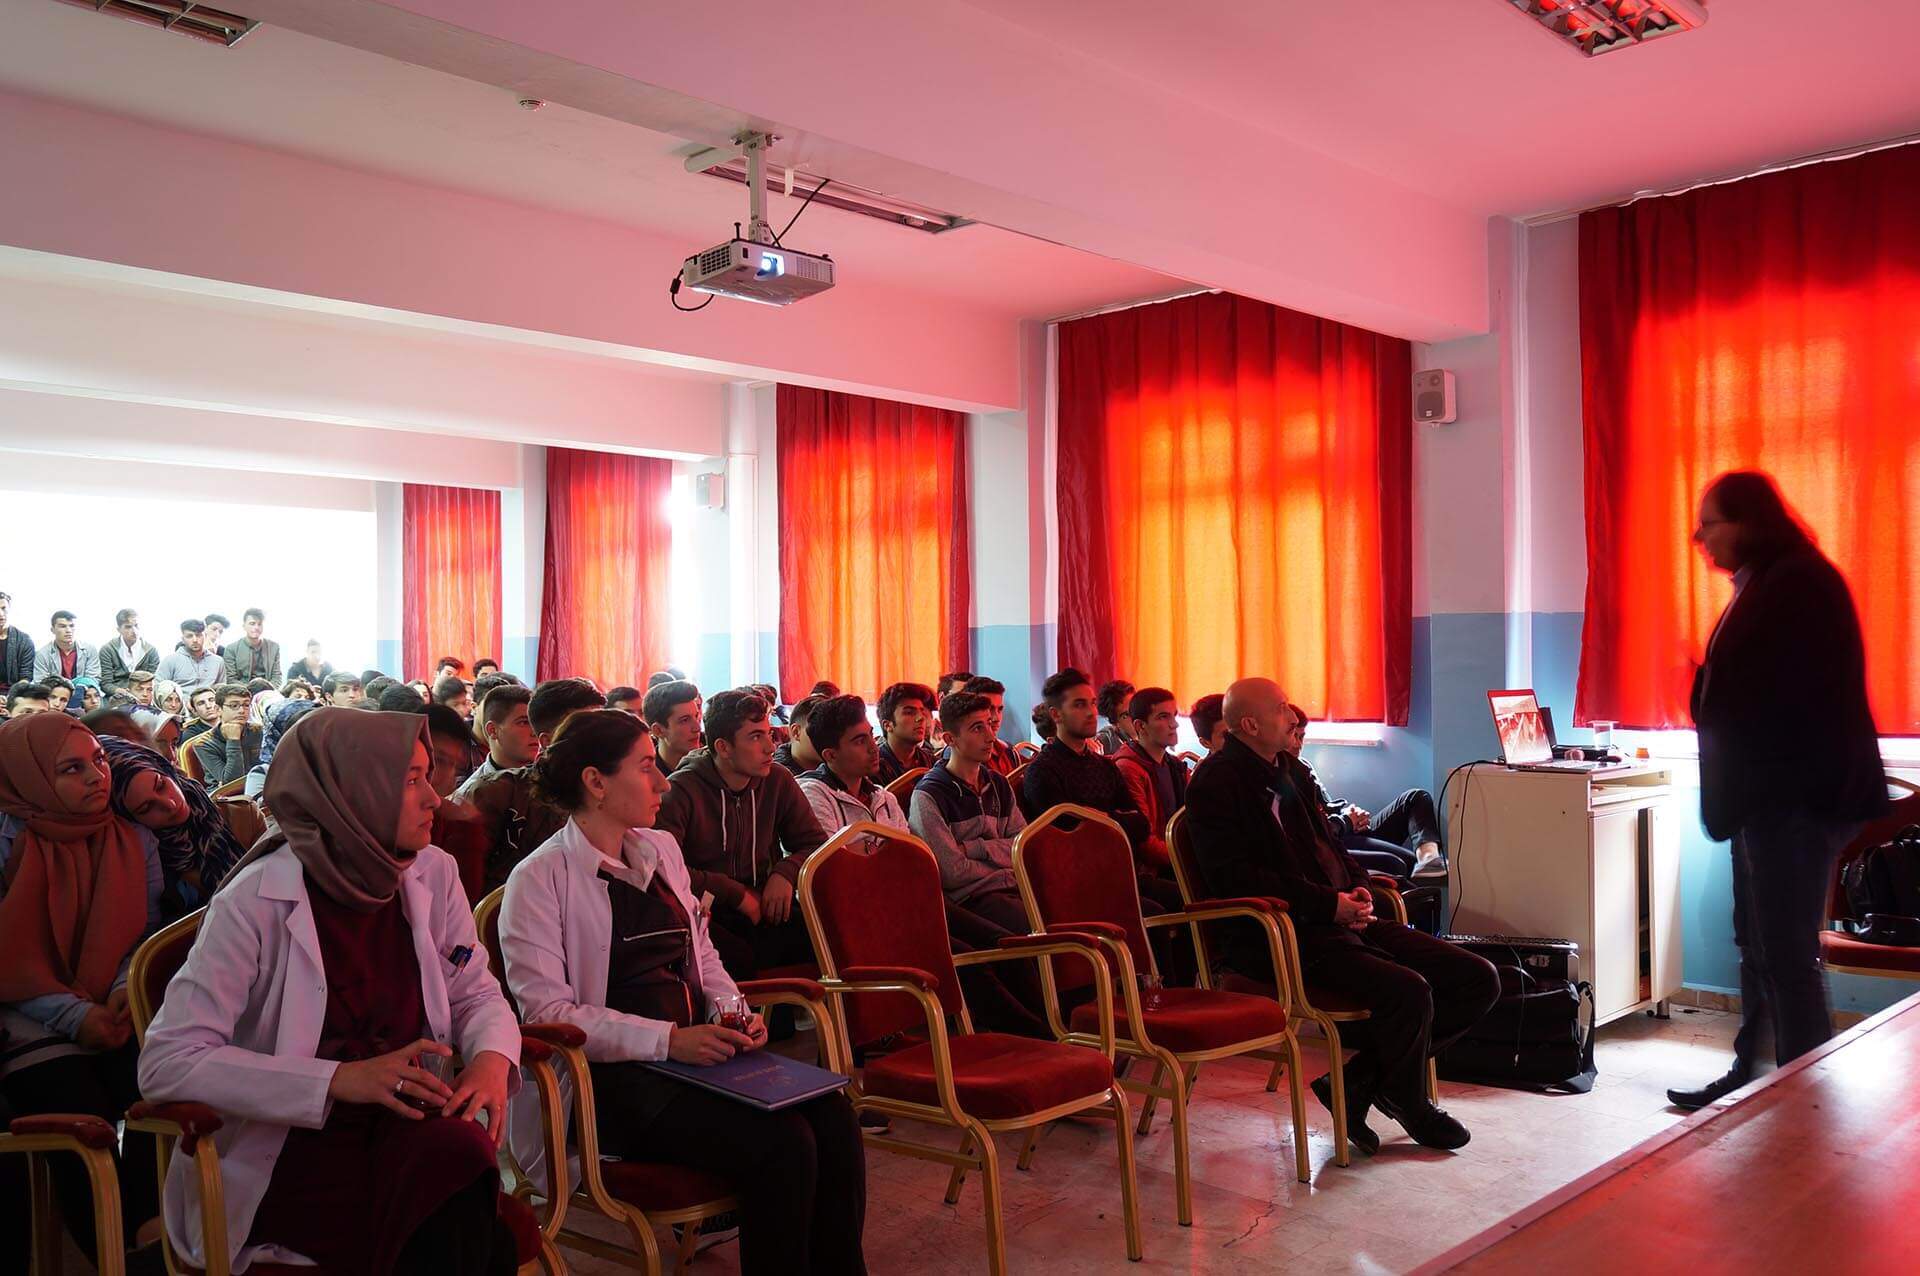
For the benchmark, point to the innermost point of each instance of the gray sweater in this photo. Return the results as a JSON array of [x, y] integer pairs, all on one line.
[[178, 666]]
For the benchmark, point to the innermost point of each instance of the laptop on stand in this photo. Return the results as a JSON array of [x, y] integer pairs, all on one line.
[[1526, 735]]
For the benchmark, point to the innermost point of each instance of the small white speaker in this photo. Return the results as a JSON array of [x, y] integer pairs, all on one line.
[[1433, 401], [710, 491]]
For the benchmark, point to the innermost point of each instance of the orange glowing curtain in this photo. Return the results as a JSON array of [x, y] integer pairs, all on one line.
[[875, 586], [450, 575], [1235, 499], [603, 605], [1771, 324]]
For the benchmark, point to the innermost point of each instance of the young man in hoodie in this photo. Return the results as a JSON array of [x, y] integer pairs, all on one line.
[[841, 790], [966, 814], [744, 828], [798, 755]]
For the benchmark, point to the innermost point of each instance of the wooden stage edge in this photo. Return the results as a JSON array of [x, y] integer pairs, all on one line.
[[1507, 1228]]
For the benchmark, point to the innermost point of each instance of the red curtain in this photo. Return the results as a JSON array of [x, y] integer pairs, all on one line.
[[1235, 498], [603, 605], [874, 579], [450, 576], [1770, 324]]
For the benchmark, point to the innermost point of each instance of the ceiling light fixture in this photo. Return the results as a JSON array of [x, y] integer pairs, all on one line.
[[186, 17], [730, 163], [1593, 27]]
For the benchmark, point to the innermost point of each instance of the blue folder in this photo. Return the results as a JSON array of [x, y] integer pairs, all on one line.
[[758, 1078]]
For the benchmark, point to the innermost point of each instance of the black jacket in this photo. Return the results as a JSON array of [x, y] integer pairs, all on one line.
[[1781, 703], [17, 655], [1242, 850], [1057, 774]]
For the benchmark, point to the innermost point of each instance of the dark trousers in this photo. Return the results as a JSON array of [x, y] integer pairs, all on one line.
[[465, 1235], [1421, 993], [800, 1174], [1003, 996], [1404, 823], [747, 950], [1782, 872], [102, 1085]]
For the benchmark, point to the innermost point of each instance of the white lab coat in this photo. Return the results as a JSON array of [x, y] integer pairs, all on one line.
[[241, 1020], [556, 928]]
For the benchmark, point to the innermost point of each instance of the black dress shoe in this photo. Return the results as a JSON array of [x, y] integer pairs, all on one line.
[[1357, 1132], [1713, 1091], [1429, 1125]]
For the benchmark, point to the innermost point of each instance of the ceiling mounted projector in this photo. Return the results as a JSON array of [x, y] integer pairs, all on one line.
[[756, 266]]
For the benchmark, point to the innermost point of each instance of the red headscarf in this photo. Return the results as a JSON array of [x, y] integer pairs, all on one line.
[[76, 901]]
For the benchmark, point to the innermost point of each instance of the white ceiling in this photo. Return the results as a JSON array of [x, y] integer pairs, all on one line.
[[282, 89]]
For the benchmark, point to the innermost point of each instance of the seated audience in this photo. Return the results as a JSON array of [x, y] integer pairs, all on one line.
[[126, 652], [449, 666], [483, 666], [1003, 759], [825, 689], [205, 715], [342, 690], [168, 698], [626, 699], [451, 737], [455, 695], [297, 689], [508, 729], [18, 655], [966, 814], [59, 693], [394, 697], [510, 818], [197, 850], [254, 656], [797, 754], [232, 747], [602, 928], [672, 711], [374, 689], [88, 690], [1155, 777], [79, 889], [841, 790], [1403, 840], [745, 828], [906, 716], [312, 668], [1209, 720], [283, 717], [116, 723], [326, 1152], [192, 665], [1112, 703], [216, 629], [948, 683], [1258, 831], [140, 686], [1043, 722], [262, 704], [65, 656]]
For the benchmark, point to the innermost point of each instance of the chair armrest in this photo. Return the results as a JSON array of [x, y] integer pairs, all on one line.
[[1101, 930], [890, 975], [1084, 945], [1383, 882], [805, 989], [1263, 903], [87, 1131], [534, 1050], [561, 1036], [189, 1122]]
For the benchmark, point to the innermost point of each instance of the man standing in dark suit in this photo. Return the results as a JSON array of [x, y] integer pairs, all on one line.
[[1257, 831], [1789, 759]]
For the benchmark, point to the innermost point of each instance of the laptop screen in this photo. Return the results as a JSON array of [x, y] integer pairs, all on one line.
[[1516, 717]]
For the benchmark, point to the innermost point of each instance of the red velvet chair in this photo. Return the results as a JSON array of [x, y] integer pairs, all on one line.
[[874, 907], [1840, 951], [1081, 880], [638, 1195], [189, 1127], [1025, 750], [1325, 1011], [902, 785], [69, 1134]]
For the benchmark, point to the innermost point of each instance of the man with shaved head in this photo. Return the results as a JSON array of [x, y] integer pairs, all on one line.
[[1257, 831]]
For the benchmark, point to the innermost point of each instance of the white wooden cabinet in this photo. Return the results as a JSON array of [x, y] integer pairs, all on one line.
[[1567, 856]]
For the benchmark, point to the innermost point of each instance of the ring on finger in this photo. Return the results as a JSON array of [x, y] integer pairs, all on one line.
[[397, 1085]]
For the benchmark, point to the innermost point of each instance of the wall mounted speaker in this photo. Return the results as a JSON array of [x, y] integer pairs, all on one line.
[[1433, 401]]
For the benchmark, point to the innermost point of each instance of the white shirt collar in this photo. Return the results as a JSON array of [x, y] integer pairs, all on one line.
[[641, 859]]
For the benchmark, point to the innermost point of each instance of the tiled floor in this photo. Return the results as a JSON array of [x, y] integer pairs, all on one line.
[[1386, 1214]]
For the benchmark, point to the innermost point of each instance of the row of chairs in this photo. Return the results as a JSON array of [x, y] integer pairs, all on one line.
[[883, 976]]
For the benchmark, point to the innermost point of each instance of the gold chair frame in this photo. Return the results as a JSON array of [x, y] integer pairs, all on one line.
[[901, 786], [45, 1259]]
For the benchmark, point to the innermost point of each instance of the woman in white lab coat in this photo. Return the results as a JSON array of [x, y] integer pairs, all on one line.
[[599, 929], [332, 971]]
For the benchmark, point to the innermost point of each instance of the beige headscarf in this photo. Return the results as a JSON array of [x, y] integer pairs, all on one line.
[[333, 790]]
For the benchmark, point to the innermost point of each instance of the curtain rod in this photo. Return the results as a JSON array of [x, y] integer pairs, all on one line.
[[1820, 157], [1130, 305]]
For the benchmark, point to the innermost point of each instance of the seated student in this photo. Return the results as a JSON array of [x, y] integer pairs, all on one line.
[[393, 697], [197, 850], [66, 656], [88, 690], [311, 668], [204, 714], [1112, 703], [336, 958], [451, 738], [79, 889], [342, 690], [232, 747], [841, 790], [449, 667], [797, 753], [672, 711], [283, 717], [1257, 831], [947, 684], [254, 656], [140, 684], [455, 695], [1043, 722], [1155, 777], [482, 666], [966, 814], [508, 728], [126, 652], [625, 699], [1209, 720], [1003, 759], [1379, 842], [507, 817], [296, 689], [192, 664], [601, 928], [25, 698], [906, 710], [59, 693], [745, 828]]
